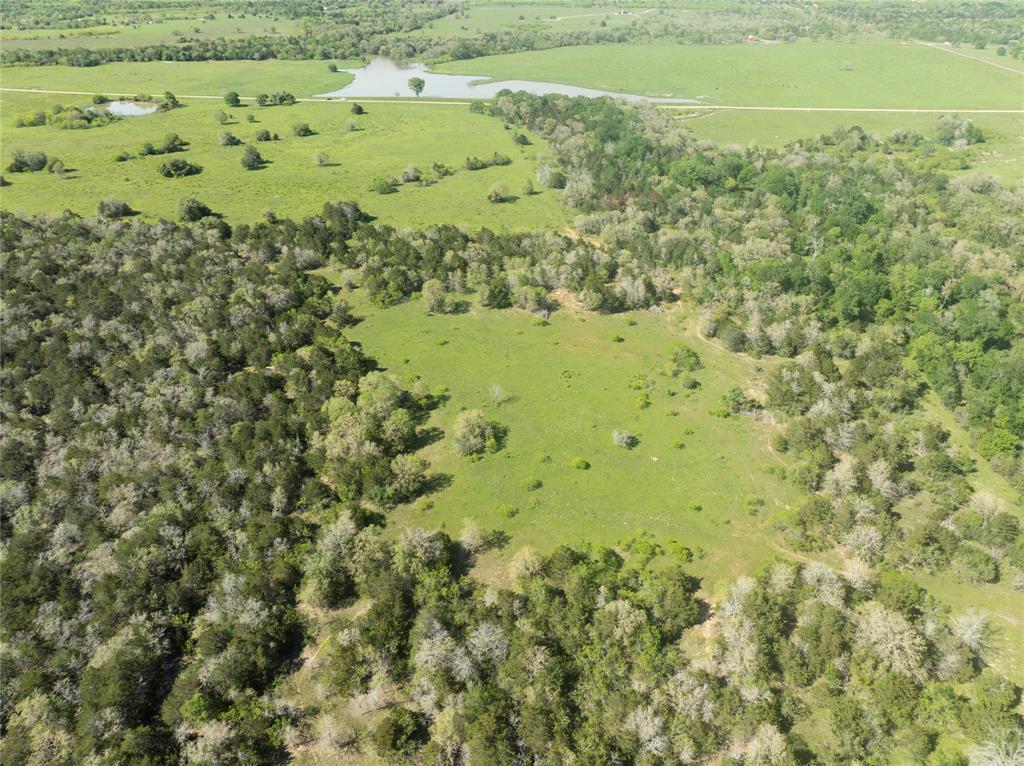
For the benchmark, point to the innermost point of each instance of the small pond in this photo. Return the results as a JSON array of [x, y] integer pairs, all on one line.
[[386, 78], [131, 108]]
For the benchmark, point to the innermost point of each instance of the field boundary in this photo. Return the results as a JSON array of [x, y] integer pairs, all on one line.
[[980, 60]]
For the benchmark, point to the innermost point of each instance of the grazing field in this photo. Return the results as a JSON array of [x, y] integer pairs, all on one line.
[[568, 386], [389, 138], [475, 20], [200, 78], [867, 74], [186, 25], [1002, 153]]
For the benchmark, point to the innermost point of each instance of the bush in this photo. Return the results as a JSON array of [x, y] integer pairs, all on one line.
[[281, 98], [302, 129], [332, 67], [190, 210], [624, 439], [396, 734], [231, 99], [384, 186], [973, 565], [498, 194], [114, 208], [358, 109], [252, 159], [179, 168], [579, 464], [229, 139], [26, 161], [262, 135], [472, 434]]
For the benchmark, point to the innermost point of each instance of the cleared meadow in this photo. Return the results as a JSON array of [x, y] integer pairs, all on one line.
[[389, 138]]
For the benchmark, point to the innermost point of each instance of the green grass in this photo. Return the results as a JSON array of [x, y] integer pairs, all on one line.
[[392, 137], [483, 19], [125, 32], [878, 74], [569, 386], [1002, 154], [200, 78]]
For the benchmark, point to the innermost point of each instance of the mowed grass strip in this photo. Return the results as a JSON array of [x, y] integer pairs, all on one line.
[[390, 137], [568, 385], [866, 74]]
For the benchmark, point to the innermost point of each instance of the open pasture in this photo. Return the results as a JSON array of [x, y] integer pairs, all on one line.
[[693, 477], [170, 28], [389, 138], [866, 74]]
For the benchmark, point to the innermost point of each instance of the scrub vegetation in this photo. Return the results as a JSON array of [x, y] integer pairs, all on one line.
[[536, 430]]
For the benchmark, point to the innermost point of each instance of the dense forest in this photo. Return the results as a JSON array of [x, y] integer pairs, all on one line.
[[193, 453]]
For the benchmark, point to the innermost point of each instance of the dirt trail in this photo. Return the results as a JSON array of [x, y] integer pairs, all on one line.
[[980, 60]]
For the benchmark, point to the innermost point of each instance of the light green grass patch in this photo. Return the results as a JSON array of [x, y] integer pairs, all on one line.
[[127, 32], [1002, 154], [878, 74], [391, 136], [484, 19], [568, 387], [198, 78]]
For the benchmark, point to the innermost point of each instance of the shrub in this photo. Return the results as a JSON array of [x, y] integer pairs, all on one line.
[[472, 434], [231, 99], [396, 734], [190, 210], [229, 139], [498, 194], [579, 464], [358, 109], [114, 208], [521, 139], [281, 98], [27, 161], [320, 159], [302, 129], [262, 135], [685, 359], [973, 565], [179, 168], [99, 98], [332, 67], [624, 439], [384, 186], [252, 160]]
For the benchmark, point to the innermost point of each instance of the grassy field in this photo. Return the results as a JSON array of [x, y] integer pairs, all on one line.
[[482, 19], [391, 136], [882, 74], [1002, 154], [188, 23], [569, 385], [201, 78]]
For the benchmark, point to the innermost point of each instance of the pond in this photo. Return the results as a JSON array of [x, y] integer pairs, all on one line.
[[131, 108], [386, 78]]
